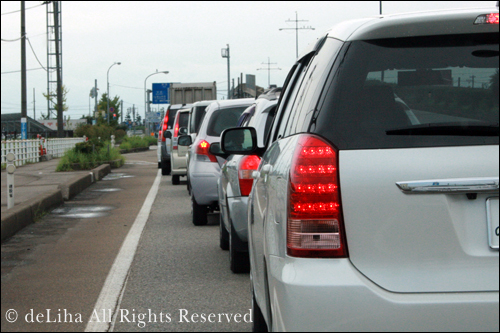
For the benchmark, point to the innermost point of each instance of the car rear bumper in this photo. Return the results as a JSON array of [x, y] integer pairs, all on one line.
[[179, 164], [203, 177], [331, 295]]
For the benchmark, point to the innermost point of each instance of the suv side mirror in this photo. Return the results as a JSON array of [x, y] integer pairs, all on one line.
[[183, 131], [240, 141], [185, 140]]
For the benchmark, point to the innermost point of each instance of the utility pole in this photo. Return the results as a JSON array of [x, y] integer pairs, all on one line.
[[24, 104], [60, 123], [297, 31], [269, 69]]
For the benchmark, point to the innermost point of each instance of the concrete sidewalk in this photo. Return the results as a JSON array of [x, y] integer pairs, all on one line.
[[38, 188]]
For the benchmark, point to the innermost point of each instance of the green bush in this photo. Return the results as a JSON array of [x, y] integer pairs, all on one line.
[[102, 131], [89, 158]]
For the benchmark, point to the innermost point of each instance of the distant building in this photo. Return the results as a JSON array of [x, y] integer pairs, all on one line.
[[11, 127]]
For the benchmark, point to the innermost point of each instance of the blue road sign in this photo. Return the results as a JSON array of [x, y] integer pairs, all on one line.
[[161, 93]]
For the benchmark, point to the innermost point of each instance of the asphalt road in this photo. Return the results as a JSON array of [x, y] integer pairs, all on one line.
[[54, 271]]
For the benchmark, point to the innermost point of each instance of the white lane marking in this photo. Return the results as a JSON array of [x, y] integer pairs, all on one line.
[[115, 282]]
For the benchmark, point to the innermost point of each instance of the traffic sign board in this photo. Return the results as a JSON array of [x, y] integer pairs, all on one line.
[[161, 93]]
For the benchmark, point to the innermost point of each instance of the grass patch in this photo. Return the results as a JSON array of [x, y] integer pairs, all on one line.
[[89, 159], [129, 143]]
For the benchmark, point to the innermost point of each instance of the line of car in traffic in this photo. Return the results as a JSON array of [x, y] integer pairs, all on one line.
[[364, 195]]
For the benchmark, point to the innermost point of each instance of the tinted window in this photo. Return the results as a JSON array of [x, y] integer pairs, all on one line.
[[183, 119], [224, 119], [171, 117], [414, 92], [313, 84], [198, 115]]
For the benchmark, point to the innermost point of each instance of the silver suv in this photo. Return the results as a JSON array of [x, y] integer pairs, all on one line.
[[204, 167], [236, 181], [369, 215]]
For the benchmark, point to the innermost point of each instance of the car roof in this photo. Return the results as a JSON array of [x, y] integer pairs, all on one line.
[[230, 103], [430, 23], [203, 103]]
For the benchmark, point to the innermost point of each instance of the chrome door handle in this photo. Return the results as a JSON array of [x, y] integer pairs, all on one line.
[[450, 186]]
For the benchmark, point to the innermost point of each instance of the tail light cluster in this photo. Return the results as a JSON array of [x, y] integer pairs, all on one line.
[[248, 164], [203, 151], [164, 128], [315, 228], [176, 134]]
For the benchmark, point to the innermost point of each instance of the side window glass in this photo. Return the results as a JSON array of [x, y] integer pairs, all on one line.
[[295, 99], [277, 129], [314, 82], [286, 112]]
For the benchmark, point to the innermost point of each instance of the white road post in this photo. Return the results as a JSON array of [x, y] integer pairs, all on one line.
[[11, 168]]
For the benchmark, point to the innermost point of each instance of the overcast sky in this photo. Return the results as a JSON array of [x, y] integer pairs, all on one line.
[[184, 38]]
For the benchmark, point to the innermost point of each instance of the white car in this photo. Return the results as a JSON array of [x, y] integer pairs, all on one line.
[[178, 154], [362, 218]]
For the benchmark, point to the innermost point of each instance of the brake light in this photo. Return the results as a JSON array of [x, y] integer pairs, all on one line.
[[176, 130], [248, 164], [176, 133], [202, 149], [315, 228], [164, 128], [487, 19]]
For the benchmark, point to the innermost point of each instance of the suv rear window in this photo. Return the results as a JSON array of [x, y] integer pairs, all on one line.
[[198, 113], [414, 92], [183, 119], [224, 119]]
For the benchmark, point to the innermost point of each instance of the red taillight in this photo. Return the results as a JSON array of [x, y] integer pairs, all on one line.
[[176, 130], [202, 149], [164, 128], [487, 19], [315, 228], [248, 164], [176, 134]]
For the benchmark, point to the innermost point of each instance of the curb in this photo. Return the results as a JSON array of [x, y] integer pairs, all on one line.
[[24, 214]]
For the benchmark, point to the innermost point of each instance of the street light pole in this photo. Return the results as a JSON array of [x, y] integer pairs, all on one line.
[[146, 92], [116, 63]]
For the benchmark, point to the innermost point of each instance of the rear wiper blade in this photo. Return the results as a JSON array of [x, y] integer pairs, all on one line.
[[450, 129]]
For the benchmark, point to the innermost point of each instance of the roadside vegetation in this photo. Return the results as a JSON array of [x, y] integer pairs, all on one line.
[[89, 155], [129, 143]]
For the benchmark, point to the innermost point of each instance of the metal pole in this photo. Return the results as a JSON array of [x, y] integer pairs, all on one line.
[[228, 73], [107, 104], [96, 94], [60, 124], [146, 92], [296, 35], [24, 110]]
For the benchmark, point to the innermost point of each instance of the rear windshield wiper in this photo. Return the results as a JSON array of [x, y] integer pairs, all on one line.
[[450, 129]]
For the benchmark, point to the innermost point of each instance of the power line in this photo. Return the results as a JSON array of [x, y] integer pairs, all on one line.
[[33, 69], [17, 11]]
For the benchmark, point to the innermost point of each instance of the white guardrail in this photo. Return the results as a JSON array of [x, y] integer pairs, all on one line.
[[29, 151]]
